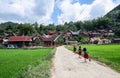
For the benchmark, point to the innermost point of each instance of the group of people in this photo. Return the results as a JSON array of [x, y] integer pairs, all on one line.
[[86, 56]]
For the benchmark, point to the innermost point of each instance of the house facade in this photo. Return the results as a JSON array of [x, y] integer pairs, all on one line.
[[19, 41], [49, 40], [116, 40]]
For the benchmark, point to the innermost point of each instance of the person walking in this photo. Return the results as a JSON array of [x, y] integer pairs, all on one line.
[[74, 49], [86, 56], [80, 52]]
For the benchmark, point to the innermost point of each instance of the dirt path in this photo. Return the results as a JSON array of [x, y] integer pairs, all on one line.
[[68, 65]]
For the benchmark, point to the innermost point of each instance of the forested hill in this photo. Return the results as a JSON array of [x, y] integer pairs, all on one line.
[[114, 14], [114, 10]]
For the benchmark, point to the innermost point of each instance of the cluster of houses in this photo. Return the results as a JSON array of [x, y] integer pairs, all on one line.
[[13, 41], [95, 37], [37, 40]]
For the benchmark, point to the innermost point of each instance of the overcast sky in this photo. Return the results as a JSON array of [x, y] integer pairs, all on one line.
[[53, 11]]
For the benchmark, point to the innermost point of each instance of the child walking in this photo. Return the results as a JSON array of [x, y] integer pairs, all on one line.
[[74, 49], [80, 52], [86, 56]]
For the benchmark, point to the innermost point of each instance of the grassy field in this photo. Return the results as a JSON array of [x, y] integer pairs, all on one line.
[[108, 54], [15, 61]]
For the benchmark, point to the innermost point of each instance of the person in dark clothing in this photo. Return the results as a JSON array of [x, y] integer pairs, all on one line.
[[80, 52], [74, 49]]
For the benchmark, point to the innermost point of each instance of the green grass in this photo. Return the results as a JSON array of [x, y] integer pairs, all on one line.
[[108, 54], [14, 61], [40, 69]]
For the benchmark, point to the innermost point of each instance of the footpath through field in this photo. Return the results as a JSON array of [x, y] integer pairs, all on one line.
[[67, 65]]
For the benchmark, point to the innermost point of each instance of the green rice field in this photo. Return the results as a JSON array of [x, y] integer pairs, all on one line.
[[108, 54], [12, 61]]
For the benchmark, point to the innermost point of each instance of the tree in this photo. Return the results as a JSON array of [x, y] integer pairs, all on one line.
[[42, 29], [1, 31], [117, 32], [51, 27], [79, 25], [72, 26], [36, 26], [104, 23], [60, 28], [88, 25], [26, 29]]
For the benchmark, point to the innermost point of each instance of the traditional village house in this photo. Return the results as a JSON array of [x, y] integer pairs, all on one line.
[[102, 31], [69, 37], [75, 33], [95, 34], [106, 33], [95, 40], [51, 32], [49, 40], [111, 33], [19, 41], [5, 42], [116, 40], [85, 34], [36, 41], [72, 42], [105, 41]]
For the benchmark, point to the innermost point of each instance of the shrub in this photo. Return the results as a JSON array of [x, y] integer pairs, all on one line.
[[1, 47]]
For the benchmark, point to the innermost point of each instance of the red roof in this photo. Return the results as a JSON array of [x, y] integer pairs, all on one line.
[[47, 38], [19, 38], [51, 32], [69, 33], [94, 39]]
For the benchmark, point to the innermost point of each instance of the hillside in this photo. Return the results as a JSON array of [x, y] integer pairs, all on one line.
[[114, 14]]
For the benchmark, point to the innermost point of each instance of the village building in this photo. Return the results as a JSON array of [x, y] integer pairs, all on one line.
[[67, 36], [116, 40], [85, 34], [102, 31], [75, 33], [36, 41], [95, 34], [96, 40], [106, 41], [49, 40], [19, 41], [5, 42], [71, 42], [51, 32]]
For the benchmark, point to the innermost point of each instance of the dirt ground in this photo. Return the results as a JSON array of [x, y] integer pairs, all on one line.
[[68, 65]]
